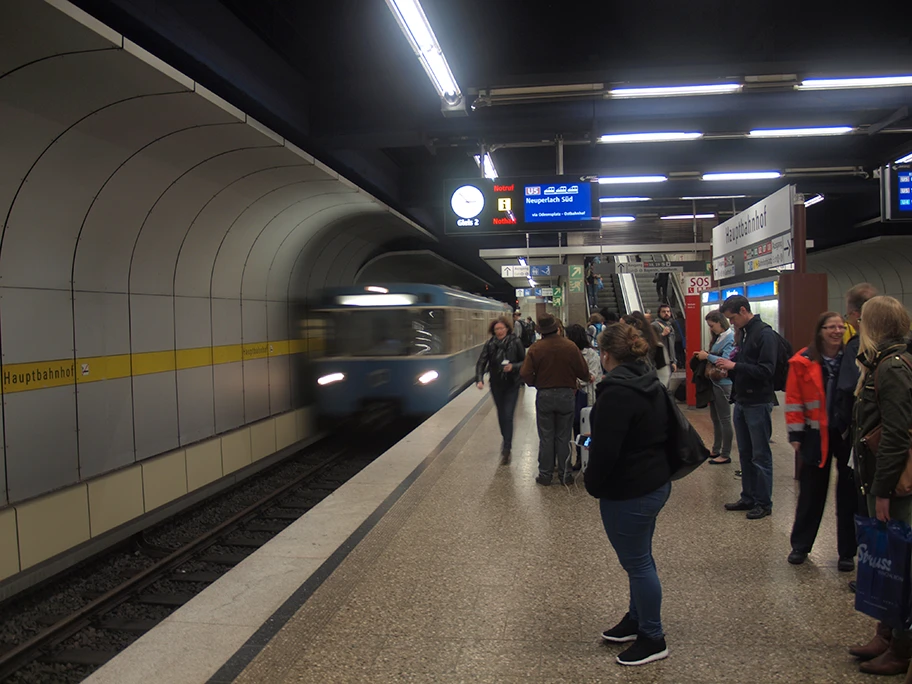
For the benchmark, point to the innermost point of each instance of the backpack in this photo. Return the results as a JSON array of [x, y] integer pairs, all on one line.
[[527, 335], [783, 354], [593, 339], [684, 446]]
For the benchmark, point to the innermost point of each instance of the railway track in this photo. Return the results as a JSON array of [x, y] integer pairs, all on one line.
[[72, 645]]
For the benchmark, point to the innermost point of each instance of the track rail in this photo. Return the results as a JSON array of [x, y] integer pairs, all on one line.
[[32, 649]]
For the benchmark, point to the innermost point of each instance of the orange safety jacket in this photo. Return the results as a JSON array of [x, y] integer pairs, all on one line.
[[805, 408]]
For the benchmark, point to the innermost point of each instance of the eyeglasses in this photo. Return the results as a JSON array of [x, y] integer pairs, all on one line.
[[840, 328]]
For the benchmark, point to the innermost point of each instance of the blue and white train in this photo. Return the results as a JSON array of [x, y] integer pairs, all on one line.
[[408, 347]]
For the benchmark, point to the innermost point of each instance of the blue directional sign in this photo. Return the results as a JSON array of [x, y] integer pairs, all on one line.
[[540, 271]]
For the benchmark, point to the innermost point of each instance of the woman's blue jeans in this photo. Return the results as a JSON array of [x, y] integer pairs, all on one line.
[[630, 525]]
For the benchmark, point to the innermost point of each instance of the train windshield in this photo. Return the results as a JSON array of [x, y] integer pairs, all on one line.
[[386, 332]]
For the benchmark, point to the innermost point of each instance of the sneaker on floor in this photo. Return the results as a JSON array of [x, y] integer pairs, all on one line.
[[846, 564], [758, 512], [567, 479], [625, 630], [739, 505], [737, 473], [644, 650], [505, 457], [543, 480], [797, 557]]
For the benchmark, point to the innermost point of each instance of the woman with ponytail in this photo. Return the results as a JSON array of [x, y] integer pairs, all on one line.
[[628, 473]]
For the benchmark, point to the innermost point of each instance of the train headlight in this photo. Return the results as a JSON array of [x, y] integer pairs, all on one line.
[[427, 378], [331, 378]]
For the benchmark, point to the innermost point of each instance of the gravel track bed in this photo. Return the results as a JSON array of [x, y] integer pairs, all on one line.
[[48, 673]]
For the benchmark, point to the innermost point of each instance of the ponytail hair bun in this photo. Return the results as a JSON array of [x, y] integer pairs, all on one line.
[[623, 342]]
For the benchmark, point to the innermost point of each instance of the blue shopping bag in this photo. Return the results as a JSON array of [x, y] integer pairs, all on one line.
[[883, 581]]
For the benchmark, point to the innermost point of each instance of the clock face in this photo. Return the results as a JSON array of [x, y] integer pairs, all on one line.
[[467, 202]]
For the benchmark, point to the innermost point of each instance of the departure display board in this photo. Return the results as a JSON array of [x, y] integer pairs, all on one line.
[[896, 192], [482, 206]]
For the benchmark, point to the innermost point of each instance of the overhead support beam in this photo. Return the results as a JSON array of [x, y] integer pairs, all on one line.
[[514, 252], [898, 115]]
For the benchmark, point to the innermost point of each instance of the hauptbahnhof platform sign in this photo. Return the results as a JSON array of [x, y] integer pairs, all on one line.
[[481, 206]]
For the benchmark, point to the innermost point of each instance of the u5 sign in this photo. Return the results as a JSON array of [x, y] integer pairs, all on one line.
[[697, 284]]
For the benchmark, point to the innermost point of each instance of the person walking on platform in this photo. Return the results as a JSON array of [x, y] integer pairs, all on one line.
[[552, 366], [502, 356], [723, 342], [585, 393], [751, 370], [628, 473], [819, 436], [884, 400]]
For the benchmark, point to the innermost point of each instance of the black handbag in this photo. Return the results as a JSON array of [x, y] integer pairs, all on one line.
[[685, 449]]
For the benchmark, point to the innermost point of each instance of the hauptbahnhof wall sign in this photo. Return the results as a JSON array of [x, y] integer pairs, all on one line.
[[482, 206], [758, 238]]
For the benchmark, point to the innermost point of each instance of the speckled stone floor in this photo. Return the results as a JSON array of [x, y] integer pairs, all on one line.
[[478, 574]]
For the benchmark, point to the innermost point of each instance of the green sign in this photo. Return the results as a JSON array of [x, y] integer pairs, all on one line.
[[558, 297], [576, 272], [576, 285]]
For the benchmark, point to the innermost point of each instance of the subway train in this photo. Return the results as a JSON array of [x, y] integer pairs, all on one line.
[[402, 349]]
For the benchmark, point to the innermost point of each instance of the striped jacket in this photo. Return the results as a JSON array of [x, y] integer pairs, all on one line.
[[805, 408]]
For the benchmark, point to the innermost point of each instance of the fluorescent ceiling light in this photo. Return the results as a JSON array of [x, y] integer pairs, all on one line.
[[648, 137], [746, 175], [378, 290], [618, 219], [376, 300], [331, 378], [687, 217], [612, 180], [904, 160], [420, 35], [672, 91], [816, 199], [522, 261], [532, 282], [489, 170], [837, 83], [799, 132], [624, 200], [715, 197]]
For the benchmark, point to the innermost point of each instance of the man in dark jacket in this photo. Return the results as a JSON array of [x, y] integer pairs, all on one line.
[[553, 365], [751, 369], [848, 370]]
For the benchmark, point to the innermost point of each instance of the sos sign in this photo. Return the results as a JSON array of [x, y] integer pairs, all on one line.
[[698, 284]]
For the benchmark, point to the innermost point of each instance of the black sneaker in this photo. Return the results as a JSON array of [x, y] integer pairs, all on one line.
[[797, 557], [567, 479], [758, 512], [505, 457], [739, 505], [644, 650], [543, 480], [625, 630], [846, 564]]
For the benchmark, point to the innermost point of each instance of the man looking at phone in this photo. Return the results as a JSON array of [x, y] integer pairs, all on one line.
[[552, 366]]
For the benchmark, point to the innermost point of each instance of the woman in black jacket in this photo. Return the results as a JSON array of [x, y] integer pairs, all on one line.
[[628, 472], [502, 356]]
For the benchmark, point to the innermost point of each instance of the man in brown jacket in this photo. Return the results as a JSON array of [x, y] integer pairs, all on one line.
[[552, 366]]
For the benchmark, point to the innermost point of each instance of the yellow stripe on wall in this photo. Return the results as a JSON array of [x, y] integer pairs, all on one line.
[[25, 377]]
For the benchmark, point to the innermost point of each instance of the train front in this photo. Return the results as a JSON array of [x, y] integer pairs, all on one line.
[[385, 354]]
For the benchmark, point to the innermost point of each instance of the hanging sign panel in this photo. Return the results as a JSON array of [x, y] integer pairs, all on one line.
[[483, 206], [758, 238]]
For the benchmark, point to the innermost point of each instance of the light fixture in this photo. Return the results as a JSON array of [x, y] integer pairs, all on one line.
[[489, 170], [613, 180], [331, 378], [870, 82], [816, 199], [618, 219], [378, 290], [670, 136], [714, 197], [429, 377], [687, 217], [673, 91], [377, 300], [522, 261], [904, 160], [744, 175], [624, 200], [420, 35], [799, 132], [532, 283]]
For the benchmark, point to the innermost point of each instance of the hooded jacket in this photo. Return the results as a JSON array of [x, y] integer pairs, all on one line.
[[890, 406], [806, 416], [629, 422]]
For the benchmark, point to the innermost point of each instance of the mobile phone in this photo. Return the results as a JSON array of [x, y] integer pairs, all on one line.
[[505, 362], [584, 441]]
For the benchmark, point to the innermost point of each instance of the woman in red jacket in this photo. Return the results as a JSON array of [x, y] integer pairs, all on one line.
[[811, 409]]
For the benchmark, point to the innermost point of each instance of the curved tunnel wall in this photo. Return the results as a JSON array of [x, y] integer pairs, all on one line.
[[885, 262], [153, 236]]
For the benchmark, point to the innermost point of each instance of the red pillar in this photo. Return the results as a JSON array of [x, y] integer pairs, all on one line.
[[693, 323]]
